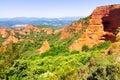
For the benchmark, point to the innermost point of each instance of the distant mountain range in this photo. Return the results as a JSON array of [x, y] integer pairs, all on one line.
[[60, 22]]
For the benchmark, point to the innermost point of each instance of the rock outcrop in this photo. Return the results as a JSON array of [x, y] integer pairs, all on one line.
[[44, 47], [114, 49], [102, 27], [2, 49], [29, 27], [47, 30], [67, 31], [3, 32], [26, 30], [65, 35], [109, 18], [9, 39]]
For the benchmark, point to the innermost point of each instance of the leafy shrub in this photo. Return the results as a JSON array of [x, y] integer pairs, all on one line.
[[101, 46], [85, 48], [55, 50], [75, 52]]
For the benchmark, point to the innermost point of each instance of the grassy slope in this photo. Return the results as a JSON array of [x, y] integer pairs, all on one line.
[[58, 63]]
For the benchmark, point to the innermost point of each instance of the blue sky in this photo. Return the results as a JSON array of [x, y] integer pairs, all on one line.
[[50, 8]]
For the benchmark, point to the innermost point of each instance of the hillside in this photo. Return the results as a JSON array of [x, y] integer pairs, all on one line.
[[88, 49]]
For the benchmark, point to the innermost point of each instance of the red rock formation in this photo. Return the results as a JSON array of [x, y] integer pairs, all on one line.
[[26, 30], [47, 30], [3, 32], [75, 26], [58, 31], [65, 35], [102, 26], [66, 31], [90, 37], [109, 17], [32, 41], [2, 48], [9, 39], [12, 32], [23, 31], [44, 47]]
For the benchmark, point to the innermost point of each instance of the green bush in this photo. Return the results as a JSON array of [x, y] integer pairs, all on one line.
[[101, 46], [56, 50], [85, 48]]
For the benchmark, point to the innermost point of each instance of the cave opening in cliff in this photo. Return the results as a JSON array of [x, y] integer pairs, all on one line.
[[106, 25], [110, 23]]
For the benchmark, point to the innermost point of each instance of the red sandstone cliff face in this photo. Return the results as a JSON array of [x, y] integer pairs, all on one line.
[[109, 18], [102, 27], [90, 37]]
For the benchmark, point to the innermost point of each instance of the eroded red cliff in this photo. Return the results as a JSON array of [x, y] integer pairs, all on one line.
[[109, 18], [102, 27]]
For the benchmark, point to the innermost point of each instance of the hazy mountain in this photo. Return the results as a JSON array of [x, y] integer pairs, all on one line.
[[8, 22]]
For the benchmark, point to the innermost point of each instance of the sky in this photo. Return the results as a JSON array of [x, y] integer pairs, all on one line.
[[50, 8]]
